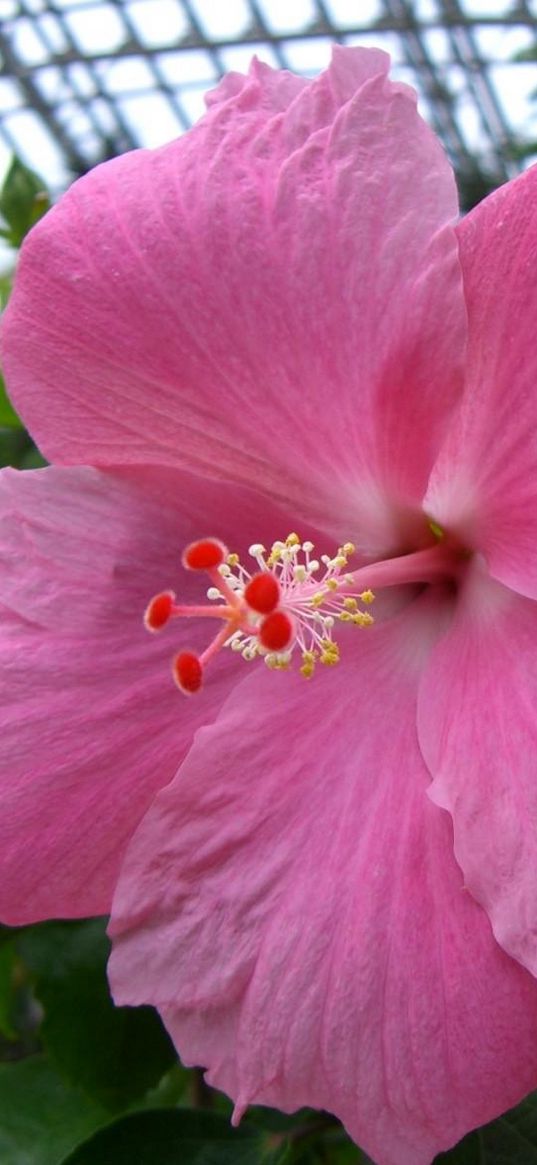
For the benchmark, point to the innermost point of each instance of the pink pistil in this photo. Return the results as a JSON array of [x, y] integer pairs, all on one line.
[[444, 560]]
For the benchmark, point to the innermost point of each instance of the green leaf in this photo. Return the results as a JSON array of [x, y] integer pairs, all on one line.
[[524, 148], [23, 201], [5, 288], [115, 1053], [313, 1137], [41, 1119], [7, 968], [32, 459], [282, 1122], [348, 1154], [14, 445], [512, 1140], [8, 416], [18, 1018], [468, 1152], [7, 933], [176, 1137], [529, 54], [170, 1089]]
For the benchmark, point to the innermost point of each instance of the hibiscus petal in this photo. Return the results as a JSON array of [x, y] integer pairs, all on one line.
[[277, 87], [91, 724], [479, 737], [485, 480], [292, 905], [274, 298]]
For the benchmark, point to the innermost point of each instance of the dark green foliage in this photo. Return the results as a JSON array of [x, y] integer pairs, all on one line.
[[23, 201], [115, 1053], [41, 1117], [176, 1137], [467, 1152], [8, 416]]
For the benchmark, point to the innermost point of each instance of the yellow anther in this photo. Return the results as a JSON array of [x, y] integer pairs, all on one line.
[[329, 648], [277, 552], [317, 599], [345, 617], [348, 549], [329, 659], [362, 619], [331, 584], [367, 596], [340, 561], [232, 560], [308, 664], [350, 604], [292, 540]]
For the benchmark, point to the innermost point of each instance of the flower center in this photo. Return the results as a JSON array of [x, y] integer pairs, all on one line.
[[290, 603]]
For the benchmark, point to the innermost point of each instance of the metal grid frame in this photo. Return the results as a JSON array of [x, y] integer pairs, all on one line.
[[62, 87]]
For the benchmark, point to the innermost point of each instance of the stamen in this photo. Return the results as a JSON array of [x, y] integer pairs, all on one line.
[[289, 602]]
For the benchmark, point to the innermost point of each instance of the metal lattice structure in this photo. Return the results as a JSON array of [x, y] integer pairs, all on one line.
[[82, 80]]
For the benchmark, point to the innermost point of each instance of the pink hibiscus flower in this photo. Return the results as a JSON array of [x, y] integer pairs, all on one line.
[[325, 884]]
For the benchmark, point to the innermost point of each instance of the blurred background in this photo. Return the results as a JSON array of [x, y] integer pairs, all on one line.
[[82, 80]]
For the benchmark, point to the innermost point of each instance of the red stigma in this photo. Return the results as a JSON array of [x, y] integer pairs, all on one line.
[[276, 631], [206, 554], [262, 593], [159, 610], [187, 672]]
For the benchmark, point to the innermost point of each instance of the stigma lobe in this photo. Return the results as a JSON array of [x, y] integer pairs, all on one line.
[[159, 611], [188, 672], [206, 554], [262, 593], [276, 631], [293, 600]]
